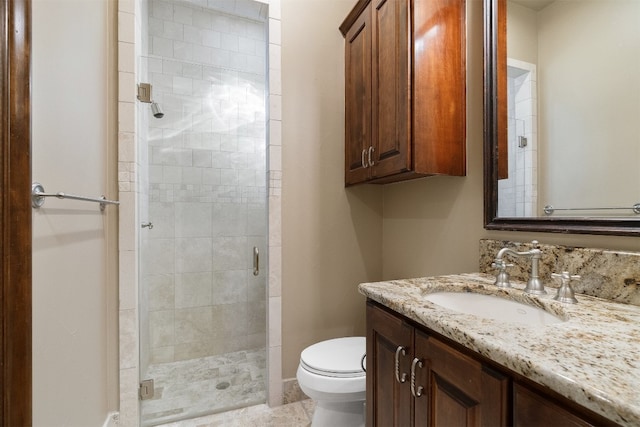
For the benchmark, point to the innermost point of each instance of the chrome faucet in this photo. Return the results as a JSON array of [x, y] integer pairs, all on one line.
[[534, 284]]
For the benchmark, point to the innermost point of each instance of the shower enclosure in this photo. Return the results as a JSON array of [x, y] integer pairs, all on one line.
[[203, 207]]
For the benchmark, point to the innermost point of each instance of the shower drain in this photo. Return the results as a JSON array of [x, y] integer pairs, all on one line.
[[223, 385]]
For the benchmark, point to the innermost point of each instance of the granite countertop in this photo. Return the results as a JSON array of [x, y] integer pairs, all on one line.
[[592, 358]]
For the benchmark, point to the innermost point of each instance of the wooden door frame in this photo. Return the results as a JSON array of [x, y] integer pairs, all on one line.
[[15, 214]]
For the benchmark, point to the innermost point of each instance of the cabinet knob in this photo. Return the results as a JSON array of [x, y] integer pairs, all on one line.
[[417, 392], [400, 378]]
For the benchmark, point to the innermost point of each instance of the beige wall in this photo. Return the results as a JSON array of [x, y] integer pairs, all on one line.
[[522, 33], [589, 104], [335, 238], [74, 269], [587, 98], [433, 226], [331, 237]]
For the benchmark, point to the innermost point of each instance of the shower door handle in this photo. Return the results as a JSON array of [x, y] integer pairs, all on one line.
[[256, 261]]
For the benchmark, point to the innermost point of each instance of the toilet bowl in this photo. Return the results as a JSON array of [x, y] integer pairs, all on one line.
[[331, 373]]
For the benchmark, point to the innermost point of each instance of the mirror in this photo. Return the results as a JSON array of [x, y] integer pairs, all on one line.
[[562, 116]]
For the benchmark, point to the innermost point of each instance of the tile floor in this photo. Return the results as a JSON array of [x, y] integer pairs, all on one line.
[[191, 388], [297, 414]]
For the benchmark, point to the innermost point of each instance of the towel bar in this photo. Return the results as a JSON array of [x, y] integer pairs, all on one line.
[[38, 195]]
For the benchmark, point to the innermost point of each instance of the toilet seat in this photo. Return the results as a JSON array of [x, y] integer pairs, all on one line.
[[337, 358]]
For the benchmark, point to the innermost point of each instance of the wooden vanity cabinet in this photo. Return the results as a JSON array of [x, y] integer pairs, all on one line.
[[405, 80], [459, 387], [433, 384]]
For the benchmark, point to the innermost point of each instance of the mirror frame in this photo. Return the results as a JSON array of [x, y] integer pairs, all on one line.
[[494, 70]]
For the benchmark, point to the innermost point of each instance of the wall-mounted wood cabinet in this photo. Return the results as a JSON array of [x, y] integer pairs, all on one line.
[[405, 100]]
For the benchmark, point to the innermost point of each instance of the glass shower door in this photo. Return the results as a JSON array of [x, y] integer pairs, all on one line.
[[203, 207]]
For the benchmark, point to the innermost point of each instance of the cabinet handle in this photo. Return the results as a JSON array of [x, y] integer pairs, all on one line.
[[371, 150], [364, 159], [399, 378], [414, 391]]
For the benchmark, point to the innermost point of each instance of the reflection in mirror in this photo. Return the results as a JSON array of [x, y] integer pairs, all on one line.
[[562, 115], [573, 96]]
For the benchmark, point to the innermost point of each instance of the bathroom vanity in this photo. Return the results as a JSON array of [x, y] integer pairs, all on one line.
[[429, 365], [409, 367]]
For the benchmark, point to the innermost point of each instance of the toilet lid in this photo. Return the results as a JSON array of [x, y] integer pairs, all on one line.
[[340, 357]]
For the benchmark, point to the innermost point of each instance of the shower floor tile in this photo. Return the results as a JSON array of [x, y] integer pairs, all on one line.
[[192, 388]]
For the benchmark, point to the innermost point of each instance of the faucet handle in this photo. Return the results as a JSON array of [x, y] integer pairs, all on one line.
[[565, 291], [502, 278], [566, 275], [535, 244], [500, 264]]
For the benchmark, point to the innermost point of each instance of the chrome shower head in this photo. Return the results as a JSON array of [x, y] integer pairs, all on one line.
[[156, 110]]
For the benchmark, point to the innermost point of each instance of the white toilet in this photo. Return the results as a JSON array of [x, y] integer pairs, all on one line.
[[331, 373]]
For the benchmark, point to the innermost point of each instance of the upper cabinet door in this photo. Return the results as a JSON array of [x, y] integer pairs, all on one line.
[[439, 86], [391, 59], [358, 99]]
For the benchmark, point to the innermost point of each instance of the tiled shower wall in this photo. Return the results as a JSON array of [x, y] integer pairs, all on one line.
[[207, 182]]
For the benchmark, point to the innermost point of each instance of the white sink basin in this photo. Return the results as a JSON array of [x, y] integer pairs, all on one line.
[[491, 307]]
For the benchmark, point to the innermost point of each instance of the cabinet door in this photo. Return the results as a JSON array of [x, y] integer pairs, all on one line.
[[358, 99], [389, 402], [391, 58], [457, 390], [439, 82]]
